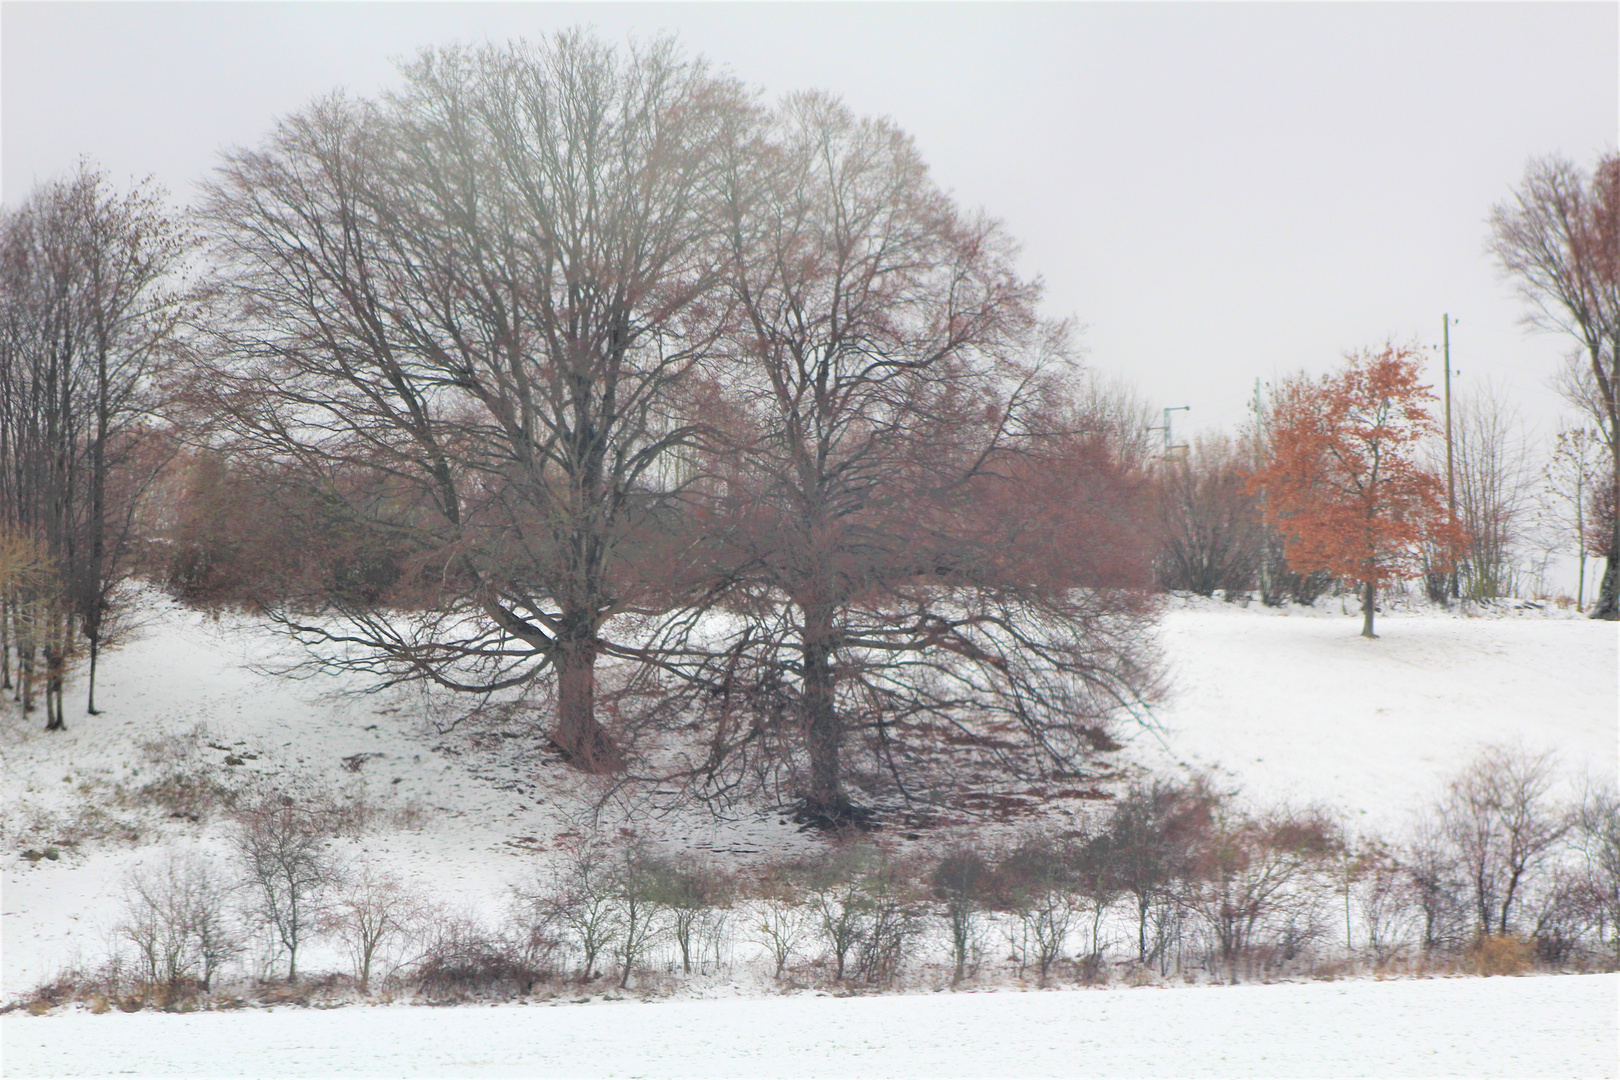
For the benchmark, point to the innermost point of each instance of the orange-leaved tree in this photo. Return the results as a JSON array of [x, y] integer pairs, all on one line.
[[1344, 484]]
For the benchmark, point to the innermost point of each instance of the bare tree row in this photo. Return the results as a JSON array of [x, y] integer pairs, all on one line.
[[87, 307]]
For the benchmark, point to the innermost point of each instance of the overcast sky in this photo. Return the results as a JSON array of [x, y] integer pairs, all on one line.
[[1216, 192]]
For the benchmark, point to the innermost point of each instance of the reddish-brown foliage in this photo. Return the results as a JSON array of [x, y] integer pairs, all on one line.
[[1344, 484]]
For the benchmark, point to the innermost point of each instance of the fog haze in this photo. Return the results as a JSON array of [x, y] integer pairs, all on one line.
[[1217, 193]]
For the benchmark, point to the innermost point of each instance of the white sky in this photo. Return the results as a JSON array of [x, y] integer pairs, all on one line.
[[1217, 192]]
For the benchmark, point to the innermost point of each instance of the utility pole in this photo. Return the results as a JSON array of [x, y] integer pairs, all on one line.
[[1169, 443], [1451, 480]]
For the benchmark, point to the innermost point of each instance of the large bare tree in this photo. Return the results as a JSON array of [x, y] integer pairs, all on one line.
[[929, 550], [1558, 237], [492, 291]]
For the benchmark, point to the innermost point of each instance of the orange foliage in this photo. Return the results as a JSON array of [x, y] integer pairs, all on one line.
[[1343, 484]]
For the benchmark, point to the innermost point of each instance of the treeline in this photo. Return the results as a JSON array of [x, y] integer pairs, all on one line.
[[1174, 881], [1514, 512], [88, 306]]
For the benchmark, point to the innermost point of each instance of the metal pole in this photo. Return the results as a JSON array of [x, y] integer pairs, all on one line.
[[1451, 480]]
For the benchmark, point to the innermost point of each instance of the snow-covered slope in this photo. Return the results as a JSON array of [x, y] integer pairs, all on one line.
[[1291, 704], [1294, 704], [1284, 704]]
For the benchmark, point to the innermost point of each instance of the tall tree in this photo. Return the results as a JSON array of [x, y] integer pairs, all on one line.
[[926, 548], [491, 290], [1558, 237], [91, 303], [1492, 490], [1344, 483], [1573, 473]]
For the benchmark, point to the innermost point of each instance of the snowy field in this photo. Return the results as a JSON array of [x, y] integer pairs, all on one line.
[[1549, 1026], [1283, 704], [1295, 705]]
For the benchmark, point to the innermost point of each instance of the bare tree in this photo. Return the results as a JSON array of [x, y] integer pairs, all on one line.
[[1154, 831], [493, 289], [581, 899], [1571, 477], [284, 851], [779, 918], [637, 900], [1213, 533], [372, 916], [1251, 877], [962, 882], [1438, 884], [907, 565], [1498, 819], [1597, 835], [1035, 883], [176, 915], [1558, 238], [690, 891], [89, 304], [1493, 486]]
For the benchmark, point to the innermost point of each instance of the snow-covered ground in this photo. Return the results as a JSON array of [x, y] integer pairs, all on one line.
[[1548, 1026], [1285, 704], [1294, 704]]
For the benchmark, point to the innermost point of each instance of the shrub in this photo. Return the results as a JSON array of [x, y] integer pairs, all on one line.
[[578, 903], [463, 959], [1034, 881], [689, 891], [778, 915], [374, 917], [962, 882], [1500, 954], [175, 916]]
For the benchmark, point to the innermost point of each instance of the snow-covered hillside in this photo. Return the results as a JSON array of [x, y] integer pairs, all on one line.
[[1286, 704], [1294, 704]]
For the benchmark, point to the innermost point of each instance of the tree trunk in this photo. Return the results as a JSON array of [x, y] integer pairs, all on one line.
[[95, 651], [825, 801], [1369, 594], [1607, 604], [578, 734]]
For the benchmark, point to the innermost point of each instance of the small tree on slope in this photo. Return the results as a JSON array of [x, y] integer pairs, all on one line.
[[1343, 482]]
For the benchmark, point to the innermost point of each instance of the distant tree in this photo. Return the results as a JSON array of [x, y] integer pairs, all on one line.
[[1493, 490], [1344, 483], [1278, 582], [1575, 473], [1213, 532], [1558, 238]]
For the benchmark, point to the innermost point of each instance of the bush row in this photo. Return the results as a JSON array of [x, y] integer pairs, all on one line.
[[1175, 880]]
